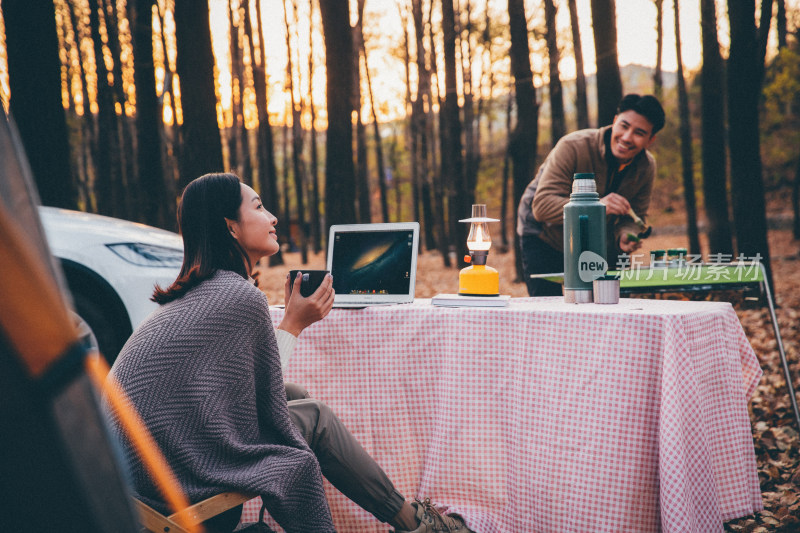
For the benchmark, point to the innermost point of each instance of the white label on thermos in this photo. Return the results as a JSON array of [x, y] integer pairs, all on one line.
[[591, 266]]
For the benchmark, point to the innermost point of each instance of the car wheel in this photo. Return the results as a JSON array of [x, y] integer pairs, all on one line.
[[85, 333], [96, 327]]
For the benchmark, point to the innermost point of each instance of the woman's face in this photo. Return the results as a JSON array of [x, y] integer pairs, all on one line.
[[255, 229]]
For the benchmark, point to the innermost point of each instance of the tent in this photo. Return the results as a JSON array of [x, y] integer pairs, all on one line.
[[60, 471]]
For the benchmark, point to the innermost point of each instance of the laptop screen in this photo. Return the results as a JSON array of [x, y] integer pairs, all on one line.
[[374, 261]]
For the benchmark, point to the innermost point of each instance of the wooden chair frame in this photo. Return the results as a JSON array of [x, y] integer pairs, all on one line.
[[155, 522]]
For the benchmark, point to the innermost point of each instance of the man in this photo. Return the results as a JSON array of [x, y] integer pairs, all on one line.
[[624, 171]]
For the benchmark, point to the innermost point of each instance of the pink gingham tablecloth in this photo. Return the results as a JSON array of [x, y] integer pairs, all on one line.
[[544, 416]]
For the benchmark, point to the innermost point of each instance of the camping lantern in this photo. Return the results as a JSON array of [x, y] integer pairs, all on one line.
[[478, 279]]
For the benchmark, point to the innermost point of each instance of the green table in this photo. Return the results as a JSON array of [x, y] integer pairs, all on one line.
[[700, 277]]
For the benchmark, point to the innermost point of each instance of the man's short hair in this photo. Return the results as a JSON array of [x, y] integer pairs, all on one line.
[[648, 106]]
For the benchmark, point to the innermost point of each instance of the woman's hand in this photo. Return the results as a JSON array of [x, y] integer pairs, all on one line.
[[302, 312]]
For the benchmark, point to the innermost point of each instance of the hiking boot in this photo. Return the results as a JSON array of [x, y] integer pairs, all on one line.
[[432, 521]]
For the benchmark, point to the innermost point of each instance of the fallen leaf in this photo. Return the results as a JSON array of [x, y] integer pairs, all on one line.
[[770, 521], [790, 519]]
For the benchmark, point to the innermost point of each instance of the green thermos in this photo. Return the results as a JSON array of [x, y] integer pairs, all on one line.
[[584, 239]]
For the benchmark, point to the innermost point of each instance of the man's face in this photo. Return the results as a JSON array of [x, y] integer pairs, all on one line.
[[630, 134]]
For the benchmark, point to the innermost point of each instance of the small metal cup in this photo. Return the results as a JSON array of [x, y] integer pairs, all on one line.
[[606, 289]]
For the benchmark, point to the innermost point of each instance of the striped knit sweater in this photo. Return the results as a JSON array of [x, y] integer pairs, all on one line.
[[204, 373]]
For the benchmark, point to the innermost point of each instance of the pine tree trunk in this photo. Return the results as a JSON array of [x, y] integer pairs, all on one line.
[[558, 125], [265, 147], [172, 137], [523, 143], [88, 125], [715, 195], [485, 105], [763, 33], [472, 154], [376, 131], [316, 238], [412, 114], [658, 82], [781, 24], [580, 78], [108, 184], [286, 209], [232, 133], [202, 145], [421, 112], [69, 44], [131, 194], [459, 197], [362, 172], [316, 234], [394, 165], [504, 211], [440, 201], [297, 144], [339, 170], [35, 98], [609, 83], [796, 202], [744, 89], [155, 209], [686, 144]]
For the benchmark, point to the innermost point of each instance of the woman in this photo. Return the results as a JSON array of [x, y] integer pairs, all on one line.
[[204, 372]]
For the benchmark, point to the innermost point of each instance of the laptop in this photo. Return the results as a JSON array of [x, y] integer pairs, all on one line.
[[373, 264]]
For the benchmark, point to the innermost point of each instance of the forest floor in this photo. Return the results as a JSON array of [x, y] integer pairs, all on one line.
[[775, 436]]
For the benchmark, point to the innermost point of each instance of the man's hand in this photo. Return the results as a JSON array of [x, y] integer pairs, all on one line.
[[616, 204], [628, 246], [302, 312]]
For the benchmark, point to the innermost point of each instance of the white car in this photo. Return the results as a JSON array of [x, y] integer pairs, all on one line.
[[111, 267]]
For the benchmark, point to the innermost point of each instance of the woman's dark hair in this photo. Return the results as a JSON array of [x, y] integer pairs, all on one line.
[[648, 106], [208, 245]]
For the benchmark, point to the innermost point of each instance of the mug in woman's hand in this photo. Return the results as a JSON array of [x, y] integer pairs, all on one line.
[[312, 279]]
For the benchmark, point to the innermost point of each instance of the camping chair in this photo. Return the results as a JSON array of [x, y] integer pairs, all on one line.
[[156, 522], [186, 518]]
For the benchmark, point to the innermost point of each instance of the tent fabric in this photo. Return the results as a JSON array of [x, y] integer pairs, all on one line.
[[59, 471]]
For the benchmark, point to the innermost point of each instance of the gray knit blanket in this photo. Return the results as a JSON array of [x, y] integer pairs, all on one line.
[[204, 373]]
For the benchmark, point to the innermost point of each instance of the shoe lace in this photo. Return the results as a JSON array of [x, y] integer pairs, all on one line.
[[437, 519]]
